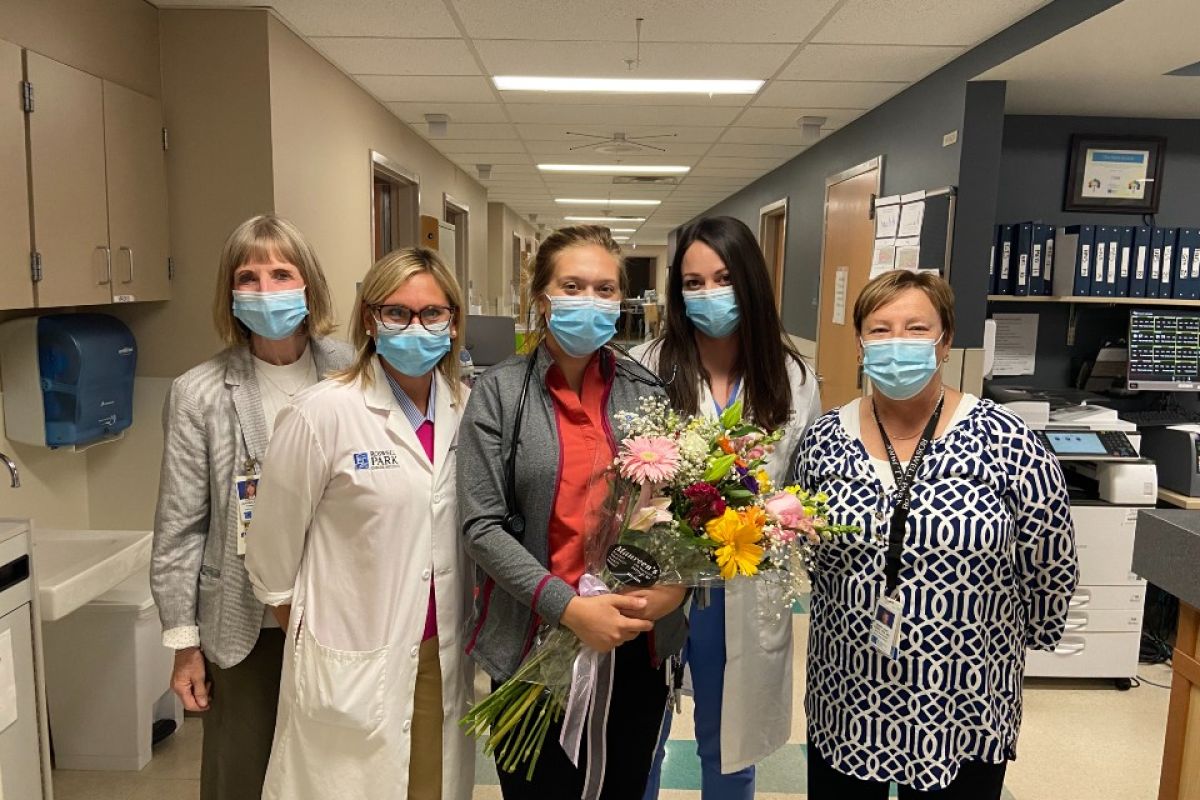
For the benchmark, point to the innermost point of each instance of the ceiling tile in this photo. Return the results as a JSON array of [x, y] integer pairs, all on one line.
[[683, 153], [951, 22], [868, 62], [739, 163], [471, 159], [459, 112], [375, 56], [744, 150], [786, 117], [661, 136], [831, 94], [607, 59], [487, 132], [665, 20], [747, 135], [454, 146], [435, 88], [400, 18], [620, 117], [726, 172]]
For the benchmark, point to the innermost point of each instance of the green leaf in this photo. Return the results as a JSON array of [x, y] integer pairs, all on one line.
[[719, 468], [686, 529], [744, 430], [743, 495], [731, 416]]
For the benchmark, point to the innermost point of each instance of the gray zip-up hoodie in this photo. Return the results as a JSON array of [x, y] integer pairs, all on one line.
[[514, 590]]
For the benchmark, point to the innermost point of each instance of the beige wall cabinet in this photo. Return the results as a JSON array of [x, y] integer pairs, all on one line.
[[99, 189], [16, 286]]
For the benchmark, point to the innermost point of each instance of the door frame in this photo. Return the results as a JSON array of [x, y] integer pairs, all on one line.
[[875, 163], [777, 209], [403, 177], [462, 240]]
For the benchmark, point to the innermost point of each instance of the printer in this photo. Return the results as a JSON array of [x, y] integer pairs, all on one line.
[[1176, 450]]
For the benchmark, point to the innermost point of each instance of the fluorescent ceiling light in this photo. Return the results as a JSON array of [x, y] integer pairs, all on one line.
[[613, 169], [520, 83], [622, 230], [620, 238], [600, 201], [604, 219]]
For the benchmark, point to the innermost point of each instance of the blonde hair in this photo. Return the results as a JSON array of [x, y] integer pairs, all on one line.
[[888, 286], [263, 238], [382, 280], [546, 260]]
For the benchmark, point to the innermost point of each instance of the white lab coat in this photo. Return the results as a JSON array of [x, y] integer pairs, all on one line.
[[351, 522], [756, 707]]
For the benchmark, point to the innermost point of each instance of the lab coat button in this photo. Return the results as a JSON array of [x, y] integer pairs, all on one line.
[[414, 652], [425, 575], [437, 498], [407, 725]]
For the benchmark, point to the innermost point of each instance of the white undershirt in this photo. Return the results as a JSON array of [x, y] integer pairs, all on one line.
[[849, 415], [277, 385]]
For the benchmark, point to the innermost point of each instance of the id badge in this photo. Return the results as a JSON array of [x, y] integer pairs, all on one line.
[[247, 490], [885, 627]]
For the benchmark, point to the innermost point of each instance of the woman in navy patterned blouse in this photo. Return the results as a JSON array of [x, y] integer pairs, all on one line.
[[986, 568]]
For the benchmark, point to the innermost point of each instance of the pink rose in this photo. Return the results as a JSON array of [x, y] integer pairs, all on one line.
[[784, 503]]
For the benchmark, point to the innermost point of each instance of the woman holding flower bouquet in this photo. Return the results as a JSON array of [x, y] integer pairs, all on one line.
[[966, 558], [535, 446], [724, 343], [355, 542]]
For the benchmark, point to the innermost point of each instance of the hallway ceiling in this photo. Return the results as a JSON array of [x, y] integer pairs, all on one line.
[[825, 58]]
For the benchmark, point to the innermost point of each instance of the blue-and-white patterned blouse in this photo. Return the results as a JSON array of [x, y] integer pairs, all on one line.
[[988, 570]]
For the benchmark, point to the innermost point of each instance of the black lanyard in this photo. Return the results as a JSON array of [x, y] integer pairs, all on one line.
[[904, 482]]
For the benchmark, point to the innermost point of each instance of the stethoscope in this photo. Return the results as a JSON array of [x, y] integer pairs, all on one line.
[[513, 521]]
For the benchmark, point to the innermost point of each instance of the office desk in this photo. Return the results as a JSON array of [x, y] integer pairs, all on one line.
[[1167, 553], [1178, 500]]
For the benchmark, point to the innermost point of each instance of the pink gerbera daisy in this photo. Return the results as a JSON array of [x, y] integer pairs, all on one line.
[[649, 459]]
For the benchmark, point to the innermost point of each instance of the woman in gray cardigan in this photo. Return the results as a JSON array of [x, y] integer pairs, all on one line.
[[571, 388], [273, 310]]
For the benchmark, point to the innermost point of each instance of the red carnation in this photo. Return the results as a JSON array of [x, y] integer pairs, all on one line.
[[705, 503]]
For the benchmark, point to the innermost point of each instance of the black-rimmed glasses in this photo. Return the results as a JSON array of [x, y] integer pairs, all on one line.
[[435, 319]]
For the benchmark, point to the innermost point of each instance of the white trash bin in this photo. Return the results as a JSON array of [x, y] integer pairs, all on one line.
[[108, 680]]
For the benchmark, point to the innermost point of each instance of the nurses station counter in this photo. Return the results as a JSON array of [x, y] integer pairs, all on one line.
[[1167, 554]]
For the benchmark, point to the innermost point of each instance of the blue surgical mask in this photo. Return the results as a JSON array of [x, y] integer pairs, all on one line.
[[714, 311], [582, 325], [900, 368], [272, 315], [413, 351]]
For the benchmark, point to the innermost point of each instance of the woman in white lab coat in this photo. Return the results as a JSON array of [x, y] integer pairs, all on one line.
[[355, 542], [724, 342]]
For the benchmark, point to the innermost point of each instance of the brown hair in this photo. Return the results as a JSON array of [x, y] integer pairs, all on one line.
[[260, 239], [383, 278], [545, 262], [764, 348], [888, 286]]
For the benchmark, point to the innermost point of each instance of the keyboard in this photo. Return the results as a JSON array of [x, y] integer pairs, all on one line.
[[1159, 418]]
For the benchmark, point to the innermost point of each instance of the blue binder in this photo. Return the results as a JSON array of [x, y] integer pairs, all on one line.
[[1048, 261], [1004, 248], [1154, 278], [1168, 262], [1194, 270], [1125, 259], [1140, 257], [1073, 260], [1104, 235], [1022, 256], [1186, 244], [1037, 260]]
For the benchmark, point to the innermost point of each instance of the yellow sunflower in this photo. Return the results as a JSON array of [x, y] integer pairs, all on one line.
[[737, 534]]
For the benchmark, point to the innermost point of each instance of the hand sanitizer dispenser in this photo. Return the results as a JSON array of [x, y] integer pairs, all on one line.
[[68, 379]]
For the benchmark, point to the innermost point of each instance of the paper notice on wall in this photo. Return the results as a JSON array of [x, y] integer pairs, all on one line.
[[908, 253], [841, 286], [883, 258], [1016, 344], [887, 220], [911, 217], [8, 682]]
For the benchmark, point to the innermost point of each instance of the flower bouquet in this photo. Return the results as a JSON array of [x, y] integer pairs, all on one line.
[[690, 504]]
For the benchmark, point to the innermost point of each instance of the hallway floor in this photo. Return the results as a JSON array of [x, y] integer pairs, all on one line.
[[1080, 740]]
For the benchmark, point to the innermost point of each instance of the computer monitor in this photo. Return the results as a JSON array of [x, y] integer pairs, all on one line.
[[1164, 350], [490, 340]]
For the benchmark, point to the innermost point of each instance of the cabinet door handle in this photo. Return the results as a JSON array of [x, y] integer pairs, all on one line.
[[107, 265], [128, 250], [1075, 623], [1065, 649], [1081, 598]]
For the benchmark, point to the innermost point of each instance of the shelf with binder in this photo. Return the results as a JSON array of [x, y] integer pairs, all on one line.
[[1089, 300]]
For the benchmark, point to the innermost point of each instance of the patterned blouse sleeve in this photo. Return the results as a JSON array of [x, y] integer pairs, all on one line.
[[1046, 560]]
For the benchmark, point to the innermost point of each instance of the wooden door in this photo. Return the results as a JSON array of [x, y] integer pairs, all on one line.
[[845, 269], [772, 237], [16, 282], [137, 195], [70, 207]]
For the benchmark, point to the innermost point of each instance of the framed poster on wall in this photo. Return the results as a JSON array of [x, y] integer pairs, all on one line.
[[1114, 174]]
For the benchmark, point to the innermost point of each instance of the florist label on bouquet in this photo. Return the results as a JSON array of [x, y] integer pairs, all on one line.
[[632, 566]]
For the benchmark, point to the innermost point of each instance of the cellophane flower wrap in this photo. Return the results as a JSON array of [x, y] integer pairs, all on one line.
[[689, 504]]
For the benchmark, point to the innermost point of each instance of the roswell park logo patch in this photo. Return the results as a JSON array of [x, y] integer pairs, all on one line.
[[377, 459]]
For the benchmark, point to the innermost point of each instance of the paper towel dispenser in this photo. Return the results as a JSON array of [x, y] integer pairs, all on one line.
[[68, 379]]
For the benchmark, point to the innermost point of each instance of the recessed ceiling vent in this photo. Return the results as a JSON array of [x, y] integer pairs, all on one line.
[[647, 180]]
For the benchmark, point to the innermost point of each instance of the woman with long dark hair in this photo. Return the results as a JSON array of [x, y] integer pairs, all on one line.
[[723, 343]]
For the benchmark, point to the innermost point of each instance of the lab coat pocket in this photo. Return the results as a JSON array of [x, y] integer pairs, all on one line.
[[770, 615], [340, 687]]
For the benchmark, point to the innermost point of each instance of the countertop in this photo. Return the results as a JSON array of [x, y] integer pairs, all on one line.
[[1166, 552]]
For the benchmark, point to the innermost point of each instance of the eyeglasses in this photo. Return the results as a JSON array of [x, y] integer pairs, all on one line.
[[435, 319]]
